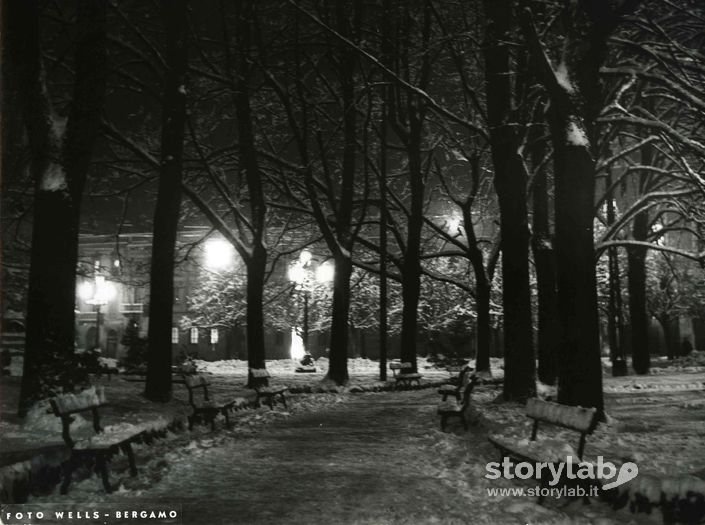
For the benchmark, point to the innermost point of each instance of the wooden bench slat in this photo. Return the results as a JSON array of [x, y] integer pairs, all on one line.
[[207, 407], [100, 447], [576, 418], [267, 392]]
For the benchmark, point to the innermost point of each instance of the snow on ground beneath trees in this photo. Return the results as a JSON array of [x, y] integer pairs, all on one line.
[[655, 421], [362, 371]]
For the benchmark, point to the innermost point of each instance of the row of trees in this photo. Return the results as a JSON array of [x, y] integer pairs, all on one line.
[[362, 129]]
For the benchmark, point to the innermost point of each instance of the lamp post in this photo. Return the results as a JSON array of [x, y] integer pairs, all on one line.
[[97, 295], [305, 273]]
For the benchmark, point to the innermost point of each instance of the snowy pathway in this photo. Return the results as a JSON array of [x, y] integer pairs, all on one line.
[[356, 462], [376, 458]]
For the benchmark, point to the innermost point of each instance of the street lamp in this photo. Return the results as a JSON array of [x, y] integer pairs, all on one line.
[[219, 254], [304, 273], [97, 295]]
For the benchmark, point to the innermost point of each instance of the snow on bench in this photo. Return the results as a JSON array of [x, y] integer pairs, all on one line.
[[97, 449], [206, 407], [681, 498], [456, 407], [457, 385], [260, 384], [578, 419], [401, 376]]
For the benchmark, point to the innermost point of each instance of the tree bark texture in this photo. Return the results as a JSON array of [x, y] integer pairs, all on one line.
[[510, 184], [158, 385], [59, 166], [545, 265], [257, 258], [636, 282]]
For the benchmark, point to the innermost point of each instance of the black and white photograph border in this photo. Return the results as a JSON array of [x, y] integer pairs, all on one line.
[[352, 262]]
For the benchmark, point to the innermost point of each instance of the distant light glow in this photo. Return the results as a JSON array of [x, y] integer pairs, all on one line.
[[305, 257], [297, 273], [297, 350], [99, 293], [453, 225], [85, 290], [325, 272], [219, 254], [104, 291]]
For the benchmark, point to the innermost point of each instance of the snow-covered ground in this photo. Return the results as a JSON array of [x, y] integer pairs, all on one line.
[[656, 421]]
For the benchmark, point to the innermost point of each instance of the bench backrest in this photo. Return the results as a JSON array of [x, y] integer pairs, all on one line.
[[466, 376], [64, 405], [195, 382], [576, 418], [472, 380], [259, 377], [400, 366], [583, 420]]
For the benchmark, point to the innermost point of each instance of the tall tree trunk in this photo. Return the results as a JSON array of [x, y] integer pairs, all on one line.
[[257, 258], [59, 166], [256, 268], [544, 261], [668, 339], [340, 241], [614, 305], [411, 264], [636, 281], [382, 182], [482, 301], [580, 369], [510, 184], [338, 366], [576, 100], [166, 213], [386, 46]]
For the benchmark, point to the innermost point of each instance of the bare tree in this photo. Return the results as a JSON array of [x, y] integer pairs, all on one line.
[[59, 163], [166, 213]]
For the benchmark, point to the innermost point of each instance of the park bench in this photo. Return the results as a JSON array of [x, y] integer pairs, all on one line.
[[577, 419], [401, 374], [457, 385], [260, 383], [555, 449], [456, 406], [205, 406], [105, 367], [99, 448]]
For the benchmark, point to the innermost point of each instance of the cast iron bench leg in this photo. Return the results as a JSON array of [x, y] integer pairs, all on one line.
[[101, 467], [127, 449], [69, 467]]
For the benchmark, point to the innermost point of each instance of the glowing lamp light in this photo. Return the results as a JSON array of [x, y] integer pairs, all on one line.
[[297, 274], [297, 350], [219, 254], [453, 224], [85, 290], [325, 272], [305, 257]]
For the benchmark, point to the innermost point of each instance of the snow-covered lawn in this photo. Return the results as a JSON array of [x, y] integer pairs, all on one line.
[[386, 452]]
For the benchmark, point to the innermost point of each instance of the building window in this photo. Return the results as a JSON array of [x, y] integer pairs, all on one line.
[[214, 336], [194, 336], [175, 334]]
